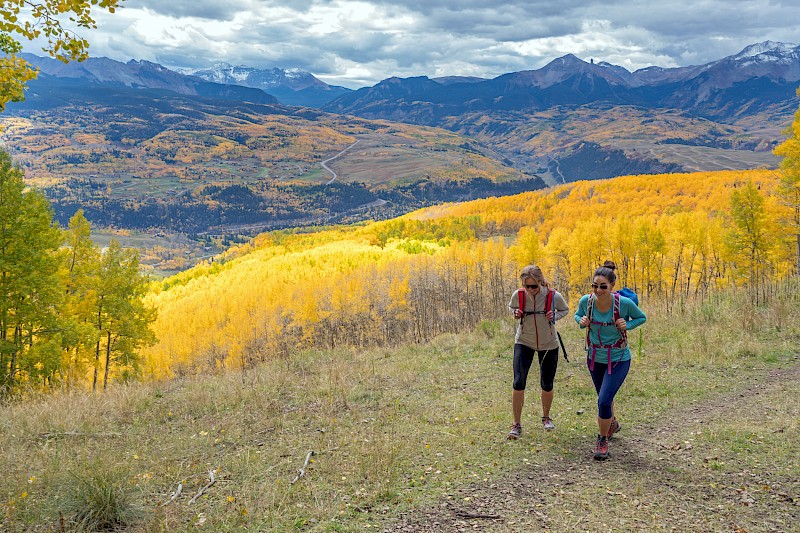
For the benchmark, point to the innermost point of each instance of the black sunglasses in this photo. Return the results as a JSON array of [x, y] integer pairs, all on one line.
[[531, 286], [601, 286]]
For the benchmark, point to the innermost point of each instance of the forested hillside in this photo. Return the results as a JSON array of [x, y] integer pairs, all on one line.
[[445, 268], [146, 159]]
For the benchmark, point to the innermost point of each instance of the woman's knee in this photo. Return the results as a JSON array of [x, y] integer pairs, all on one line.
[[604, 410]]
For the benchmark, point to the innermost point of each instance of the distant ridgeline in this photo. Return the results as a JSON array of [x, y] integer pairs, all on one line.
[[270, 205], [135, 158], [138, 145], [674, 236]]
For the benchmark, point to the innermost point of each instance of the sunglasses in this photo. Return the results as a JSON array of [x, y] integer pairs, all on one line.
[[531, 286], [602, 286]]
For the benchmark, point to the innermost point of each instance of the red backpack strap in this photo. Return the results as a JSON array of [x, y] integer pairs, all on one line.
[[548, 305]]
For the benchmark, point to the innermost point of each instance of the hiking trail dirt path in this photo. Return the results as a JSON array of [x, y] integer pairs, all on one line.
[[673, 484]]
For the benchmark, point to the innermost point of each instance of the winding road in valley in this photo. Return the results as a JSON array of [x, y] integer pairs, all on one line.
[[326, 167]]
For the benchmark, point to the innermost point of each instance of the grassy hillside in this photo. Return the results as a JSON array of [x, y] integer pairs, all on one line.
[[412, 438]]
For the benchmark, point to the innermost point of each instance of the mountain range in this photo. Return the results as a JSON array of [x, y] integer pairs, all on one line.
[[760, 75], [291, 86], [568, 120], [55, 76], [734, 108]]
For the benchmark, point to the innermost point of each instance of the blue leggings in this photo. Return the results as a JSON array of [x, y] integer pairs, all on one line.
[[607, 384]]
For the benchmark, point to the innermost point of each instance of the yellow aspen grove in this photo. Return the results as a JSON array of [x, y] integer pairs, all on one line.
[[789, 188], [408, 279]]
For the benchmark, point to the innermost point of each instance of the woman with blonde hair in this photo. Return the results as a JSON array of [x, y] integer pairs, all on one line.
[[537, 307]]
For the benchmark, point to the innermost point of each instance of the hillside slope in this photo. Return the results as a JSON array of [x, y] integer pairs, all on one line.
[[413, 437], [407, 279], [142, 158]]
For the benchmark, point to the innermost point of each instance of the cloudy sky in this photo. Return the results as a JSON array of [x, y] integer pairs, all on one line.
[[357, 43]]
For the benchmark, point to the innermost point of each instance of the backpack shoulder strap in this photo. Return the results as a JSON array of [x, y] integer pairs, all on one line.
[[548, 303], [623, 341], [589, 309]]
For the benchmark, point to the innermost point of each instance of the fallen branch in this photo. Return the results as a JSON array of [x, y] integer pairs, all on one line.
[[303, 470], [76, 434], [207, 486], [174, 495], [464, 514]]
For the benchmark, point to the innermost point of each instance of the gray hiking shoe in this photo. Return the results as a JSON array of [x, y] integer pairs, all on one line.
[[516, 432], [547, 423]]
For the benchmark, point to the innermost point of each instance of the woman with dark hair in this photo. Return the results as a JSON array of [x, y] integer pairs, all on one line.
[[608, 317], [537, 307]]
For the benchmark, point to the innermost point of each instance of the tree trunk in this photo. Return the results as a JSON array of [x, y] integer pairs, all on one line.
[[13, 366], [96, 362], [797, 255], [108, 361]]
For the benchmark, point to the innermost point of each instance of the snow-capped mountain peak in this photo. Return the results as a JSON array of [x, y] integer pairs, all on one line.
[[767, 50]]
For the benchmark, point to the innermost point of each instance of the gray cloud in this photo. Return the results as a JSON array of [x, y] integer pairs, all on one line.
[[203, 9], [360, 42]]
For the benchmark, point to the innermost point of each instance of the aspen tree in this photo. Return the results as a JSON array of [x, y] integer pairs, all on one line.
[[30, 289], [748, 238], [123, 320], [789, 188], [81, 263]]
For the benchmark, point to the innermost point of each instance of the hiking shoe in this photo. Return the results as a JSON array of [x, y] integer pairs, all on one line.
[[615, 427], [516, 432], [601, 448], [547, 423]]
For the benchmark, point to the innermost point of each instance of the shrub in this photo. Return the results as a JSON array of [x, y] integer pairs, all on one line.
[[100, 500]]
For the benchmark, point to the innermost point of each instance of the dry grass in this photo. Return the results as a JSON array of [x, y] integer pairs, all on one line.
[[414, 426]]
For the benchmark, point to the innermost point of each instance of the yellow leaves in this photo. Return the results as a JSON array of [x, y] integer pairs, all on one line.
[[287, 291]]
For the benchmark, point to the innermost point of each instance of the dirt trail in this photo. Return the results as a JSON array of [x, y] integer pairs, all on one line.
[[678, 492]]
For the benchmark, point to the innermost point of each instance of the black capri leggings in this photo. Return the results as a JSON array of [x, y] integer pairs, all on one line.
[[523, 359]]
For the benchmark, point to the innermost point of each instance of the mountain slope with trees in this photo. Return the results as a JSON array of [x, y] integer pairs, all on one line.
[[143, 158], [67, 311], [541, 117], [676, 237]]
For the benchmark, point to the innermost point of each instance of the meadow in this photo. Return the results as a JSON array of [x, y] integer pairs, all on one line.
[[412, 438]]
